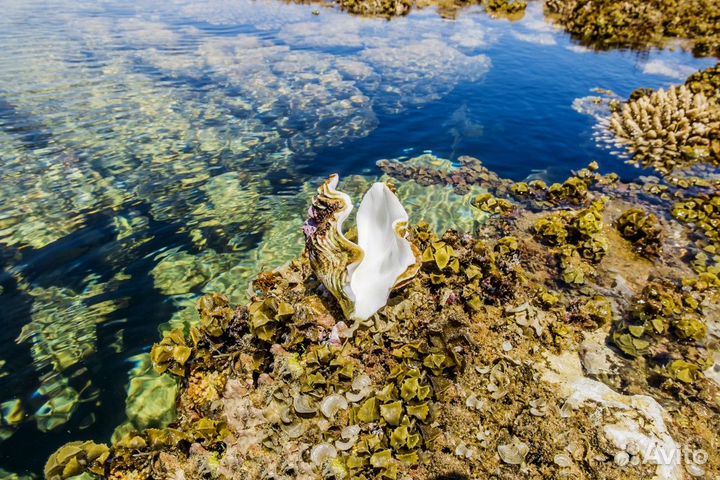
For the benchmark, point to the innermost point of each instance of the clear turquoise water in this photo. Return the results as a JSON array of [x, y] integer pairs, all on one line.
[[131, 131]]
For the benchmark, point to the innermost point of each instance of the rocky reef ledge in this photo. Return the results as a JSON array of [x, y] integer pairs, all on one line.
[[573, 334]]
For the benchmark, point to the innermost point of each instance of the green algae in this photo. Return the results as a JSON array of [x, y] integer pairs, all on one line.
[[642, 230]]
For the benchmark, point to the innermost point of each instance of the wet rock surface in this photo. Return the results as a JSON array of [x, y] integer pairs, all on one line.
[[497, 359]]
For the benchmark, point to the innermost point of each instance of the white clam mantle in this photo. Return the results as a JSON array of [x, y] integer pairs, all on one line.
[[361, 276]]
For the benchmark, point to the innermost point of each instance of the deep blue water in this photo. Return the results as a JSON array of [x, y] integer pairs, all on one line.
[[114, 111]]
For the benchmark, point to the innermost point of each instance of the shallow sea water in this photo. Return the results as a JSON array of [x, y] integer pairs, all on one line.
[[152, 151]]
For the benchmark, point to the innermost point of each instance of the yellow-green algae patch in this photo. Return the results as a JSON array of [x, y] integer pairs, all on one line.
[[454, 377]]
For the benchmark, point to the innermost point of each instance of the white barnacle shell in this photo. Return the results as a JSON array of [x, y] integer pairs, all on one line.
[[362, 386], [350, 437], [514, 452], [304, 405], [360, 276], [294, 430], [322, 453], [333, 404]]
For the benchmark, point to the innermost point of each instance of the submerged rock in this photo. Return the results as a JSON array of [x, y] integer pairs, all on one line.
[[151, 397]]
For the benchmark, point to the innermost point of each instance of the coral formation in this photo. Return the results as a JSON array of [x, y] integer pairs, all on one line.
[[669, 129], [640, 24]]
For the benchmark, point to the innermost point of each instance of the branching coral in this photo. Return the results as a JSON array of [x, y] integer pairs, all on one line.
[[669, 129]]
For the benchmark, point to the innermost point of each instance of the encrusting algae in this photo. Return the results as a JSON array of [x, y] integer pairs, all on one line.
[[491, 362]]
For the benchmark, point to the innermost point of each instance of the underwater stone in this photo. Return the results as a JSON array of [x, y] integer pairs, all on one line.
[[151, 396], [13, 412], [58, 410], [361, 275]]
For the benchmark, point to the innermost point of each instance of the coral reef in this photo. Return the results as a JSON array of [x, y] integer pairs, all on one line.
[[471, 369], [669, 129], [447, 8], [640, 24]]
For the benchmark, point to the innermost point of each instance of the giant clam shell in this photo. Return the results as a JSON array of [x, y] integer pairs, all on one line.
[[360, 276]]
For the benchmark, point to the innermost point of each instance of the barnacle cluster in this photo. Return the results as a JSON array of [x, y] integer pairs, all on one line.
[[639, 24]]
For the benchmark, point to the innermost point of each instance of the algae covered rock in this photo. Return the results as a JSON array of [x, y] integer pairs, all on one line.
[[639, 24], [464, 371], [642, 230]]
